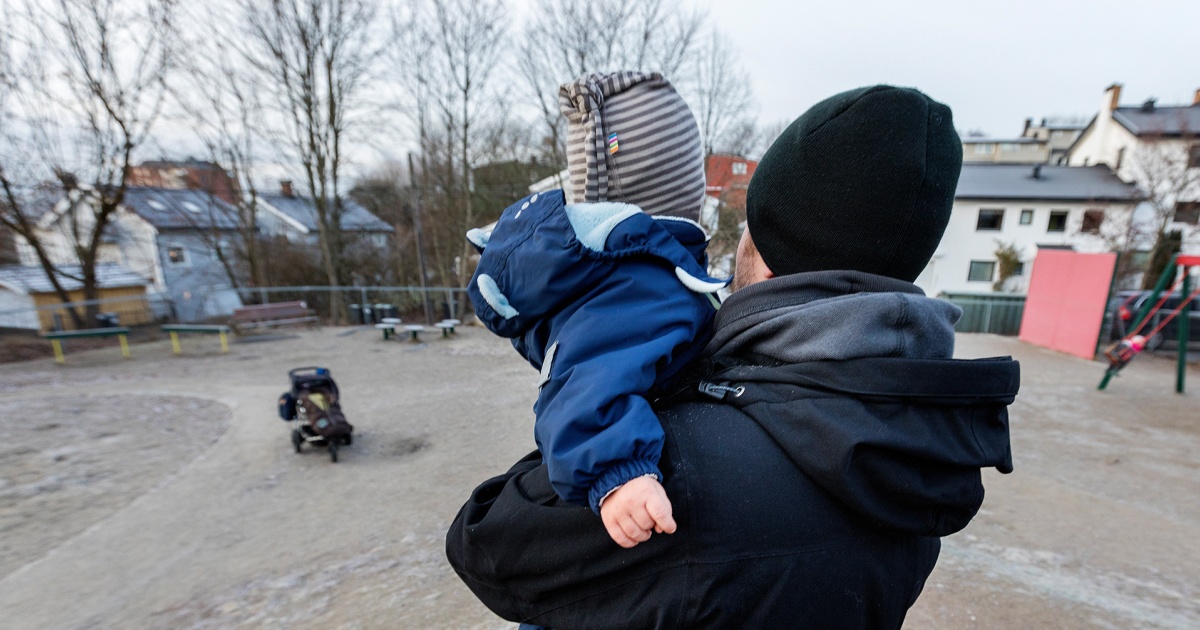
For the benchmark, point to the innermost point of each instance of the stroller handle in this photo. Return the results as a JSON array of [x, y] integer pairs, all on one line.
[[309, 370]]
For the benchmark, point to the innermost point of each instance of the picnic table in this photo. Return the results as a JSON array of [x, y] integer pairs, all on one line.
[[414, 330], [447, 326], [56, 338], [270, 315], [177, 329], [388, 326]]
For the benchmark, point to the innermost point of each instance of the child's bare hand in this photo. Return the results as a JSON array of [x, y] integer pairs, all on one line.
[[635, 510]]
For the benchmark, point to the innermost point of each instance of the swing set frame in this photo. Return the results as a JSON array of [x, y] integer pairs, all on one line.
[[1121, 353]]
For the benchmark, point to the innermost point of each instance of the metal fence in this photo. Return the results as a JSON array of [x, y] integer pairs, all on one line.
[[365, 305], [998, 313], [359, 305]]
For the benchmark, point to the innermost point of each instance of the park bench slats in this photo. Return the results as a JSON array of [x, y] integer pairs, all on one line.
[[269, 315]]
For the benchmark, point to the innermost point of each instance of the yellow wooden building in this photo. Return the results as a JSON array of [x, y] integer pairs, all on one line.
[[28, 299]]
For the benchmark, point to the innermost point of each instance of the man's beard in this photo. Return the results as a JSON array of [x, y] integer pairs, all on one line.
[[741, 277]]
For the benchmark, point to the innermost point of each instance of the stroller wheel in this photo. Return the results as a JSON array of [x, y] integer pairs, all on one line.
[[297, 439], [333, 451], [348, 440]]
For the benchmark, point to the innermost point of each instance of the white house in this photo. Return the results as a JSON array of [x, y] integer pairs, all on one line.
[[168, 237], [1155, 146], [1029, 207]]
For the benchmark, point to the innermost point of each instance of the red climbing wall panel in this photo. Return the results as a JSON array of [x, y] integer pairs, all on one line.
[[1064, 308]]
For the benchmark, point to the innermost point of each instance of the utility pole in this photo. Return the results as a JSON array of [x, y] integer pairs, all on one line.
[[416, 210]]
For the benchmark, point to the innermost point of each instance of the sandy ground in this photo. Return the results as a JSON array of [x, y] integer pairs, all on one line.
[[162, 492]]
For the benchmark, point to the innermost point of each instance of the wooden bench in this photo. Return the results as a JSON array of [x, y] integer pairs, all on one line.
[[56, 338], [176, 329], [268, 315], [388, 326]]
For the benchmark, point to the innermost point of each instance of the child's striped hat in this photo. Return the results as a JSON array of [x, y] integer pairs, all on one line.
[[632, 138]]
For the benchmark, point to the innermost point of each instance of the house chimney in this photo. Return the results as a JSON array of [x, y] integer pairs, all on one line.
[[1028, 123], [1148, 106], [1113, 92], [1037, 171], [1196, 98], [285, 187]]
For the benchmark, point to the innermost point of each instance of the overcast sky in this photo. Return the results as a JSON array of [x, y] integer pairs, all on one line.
[[995, 62]]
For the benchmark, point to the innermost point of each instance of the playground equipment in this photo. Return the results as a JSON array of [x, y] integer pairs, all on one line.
[[1121, 353]]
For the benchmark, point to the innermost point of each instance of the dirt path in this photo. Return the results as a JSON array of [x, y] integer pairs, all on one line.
[[163, 492]]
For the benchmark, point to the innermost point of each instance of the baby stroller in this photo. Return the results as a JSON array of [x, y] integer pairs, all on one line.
[[313, 412]]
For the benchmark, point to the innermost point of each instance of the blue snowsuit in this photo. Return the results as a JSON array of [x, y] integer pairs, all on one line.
[[608, 303]]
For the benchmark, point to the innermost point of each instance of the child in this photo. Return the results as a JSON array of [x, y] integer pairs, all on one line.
[[609, 296]]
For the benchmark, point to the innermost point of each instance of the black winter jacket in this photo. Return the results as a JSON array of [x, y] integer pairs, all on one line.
[[809, 493]]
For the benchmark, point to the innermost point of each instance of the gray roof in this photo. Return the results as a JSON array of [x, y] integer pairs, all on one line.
[[355, 218], [1055, 183], [170, 209], [983, 140], [25, 279], [1165, 121]]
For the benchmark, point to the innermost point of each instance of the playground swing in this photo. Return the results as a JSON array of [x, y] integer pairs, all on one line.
[[1121, 353]]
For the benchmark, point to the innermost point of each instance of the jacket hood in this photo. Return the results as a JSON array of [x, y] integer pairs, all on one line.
[[543, 254], [851, 374]]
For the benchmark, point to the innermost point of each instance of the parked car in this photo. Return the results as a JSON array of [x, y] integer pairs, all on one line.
[[1124, 307]]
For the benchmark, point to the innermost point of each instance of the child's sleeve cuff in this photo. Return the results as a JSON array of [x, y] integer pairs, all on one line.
[[617, 476]]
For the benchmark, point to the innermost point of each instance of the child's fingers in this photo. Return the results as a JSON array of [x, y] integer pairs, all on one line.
[[641, 516], [659, 509], [618, 535], [632, 530]]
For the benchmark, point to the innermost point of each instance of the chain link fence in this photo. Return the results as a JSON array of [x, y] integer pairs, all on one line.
[[358, 305]]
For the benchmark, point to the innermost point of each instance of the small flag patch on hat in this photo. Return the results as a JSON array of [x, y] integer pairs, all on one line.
[[612, 143]]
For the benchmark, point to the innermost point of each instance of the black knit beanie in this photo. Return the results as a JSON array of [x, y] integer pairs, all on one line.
[[863, 181]]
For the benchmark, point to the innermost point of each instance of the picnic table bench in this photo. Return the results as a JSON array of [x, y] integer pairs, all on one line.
[[388, 326], [176, 329], [56, 338], [268, 315]]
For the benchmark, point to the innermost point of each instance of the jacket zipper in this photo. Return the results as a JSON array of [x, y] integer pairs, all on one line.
[[720, 390]]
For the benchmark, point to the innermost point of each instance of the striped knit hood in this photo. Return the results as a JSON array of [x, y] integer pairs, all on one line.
[[632, 139]]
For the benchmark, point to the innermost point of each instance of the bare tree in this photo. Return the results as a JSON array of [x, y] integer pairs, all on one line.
[[1167, 171], [218, 100], [566, 39], [88, 88], [314, 58], [722, 98], [448, 56]]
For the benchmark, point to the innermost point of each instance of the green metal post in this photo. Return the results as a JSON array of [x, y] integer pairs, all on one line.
[[1181, 371], [1164, 281]]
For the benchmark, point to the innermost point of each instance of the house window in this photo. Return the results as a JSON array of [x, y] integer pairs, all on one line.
[[1009, 147], [739, 168], [983, 149], [1194, 156], [1058, 221], [175, 255], [1092, 219], [1026, 216], [990, 219], [981, 271], [1187, 212], [1019, 270]]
